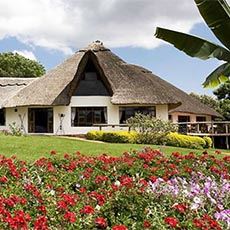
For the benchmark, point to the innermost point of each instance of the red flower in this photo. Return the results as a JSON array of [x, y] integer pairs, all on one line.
[[53, 152], [197, 223], [70, 216], [217, 152], [180, 207], [42, 209], [41, 223], [153, 178], [119, 227], [146, 224], [101, 222], [3, 179], [171, 221], [87, 210]]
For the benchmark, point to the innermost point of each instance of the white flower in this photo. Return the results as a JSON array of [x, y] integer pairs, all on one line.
[[52, 192], [117, 183], [194, 206], [197, 200], [98, 207]]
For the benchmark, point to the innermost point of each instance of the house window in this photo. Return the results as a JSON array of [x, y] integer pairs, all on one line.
[[127, 112], [183, 118], [200, 118], [2, 117], [87, 116]]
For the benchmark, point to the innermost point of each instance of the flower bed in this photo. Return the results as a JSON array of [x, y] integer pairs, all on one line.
[[140, 190]]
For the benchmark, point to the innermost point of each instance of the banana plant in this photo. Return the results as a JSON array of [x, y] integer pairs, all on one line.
[[216, 14]]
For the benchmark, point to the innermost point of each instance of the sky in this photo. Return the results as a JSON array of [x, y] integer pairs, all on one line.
[[49, 31]]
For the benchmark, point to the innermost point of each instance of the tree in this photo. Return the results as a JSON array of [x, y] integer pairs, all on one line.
[[217, 16], [15, 65], [223, 96], [207, 100]]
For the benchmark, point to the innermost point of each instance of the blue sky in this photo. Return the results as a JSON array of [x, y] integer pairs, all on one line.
[[143, 49]]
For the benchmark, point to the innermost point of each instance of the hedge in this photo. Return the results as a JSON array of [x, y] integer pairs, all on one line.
[[185, 141], [172, 139], [113, 136]]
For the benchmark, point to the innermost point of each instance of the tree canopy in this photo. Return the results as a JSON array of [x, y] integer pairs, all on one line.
[[15, 65], [221, 103], [223, 96], [216, 14], [207, 100]]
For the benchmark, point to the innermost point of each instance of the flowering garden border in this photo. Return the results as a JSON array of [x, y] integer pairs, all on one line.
[[139, 190]]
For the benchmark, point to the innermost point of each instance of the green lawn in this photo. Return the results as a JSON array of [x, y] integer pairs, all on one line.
[[31, 148]]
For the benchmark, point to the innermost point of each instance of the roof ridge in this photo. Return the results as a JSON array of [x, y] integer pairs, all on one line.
[[95, 46]]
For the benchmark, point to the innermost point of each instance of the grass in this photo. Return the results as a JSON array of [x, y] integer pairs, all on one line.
[[30, 148]]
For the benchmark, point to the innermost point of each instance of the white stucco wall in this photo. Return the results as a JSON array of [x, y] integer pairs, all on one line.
[[13, 116], [162, 112], [84, 101], [77, 101], [94, 101]]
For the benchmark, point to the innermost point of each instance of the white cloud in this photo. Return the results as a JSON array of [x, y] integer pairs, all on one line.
[[26, 53], [71, 24]]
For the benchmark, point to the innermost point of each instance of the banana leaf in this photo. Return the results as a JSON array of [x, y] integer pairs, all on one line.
[[192, 45], [220, 75], [216, 14]]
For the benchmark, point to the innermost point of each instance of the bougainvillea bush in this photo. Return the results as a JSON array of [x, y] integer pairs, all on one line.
[[139, 190]]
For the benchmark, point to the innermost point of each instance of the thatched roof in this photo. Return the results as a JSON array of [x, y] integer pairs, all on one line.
[[126, 83], [193, 106], [11, 86]]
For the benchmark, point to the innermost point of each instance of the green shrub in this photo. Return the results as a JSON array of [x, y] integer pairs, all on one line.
[[94, 135], [185, 141], [151, 138], [113, 136], [208, 142], [15, 130], [150, 130]]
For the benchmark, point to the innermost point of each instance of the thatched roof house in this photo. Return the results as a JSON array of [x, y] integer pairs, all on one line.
[[127, 84], [95, 86], [11, 86]]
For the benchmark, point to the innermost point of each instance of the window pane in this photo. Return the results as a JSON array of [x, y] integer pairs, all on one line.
[[87, 116], [127, 112], [2, 117]]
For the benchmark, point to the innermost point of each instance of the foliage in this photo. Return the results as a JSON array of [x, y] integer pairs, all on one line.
[[119, 137], [112, 136], [150, 130], [185, 141], [15, 130], [218, 21], [208, 100], [32, 147], [94, 135], [208, 142], [223, 96], [140, 190], [15, 65]]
